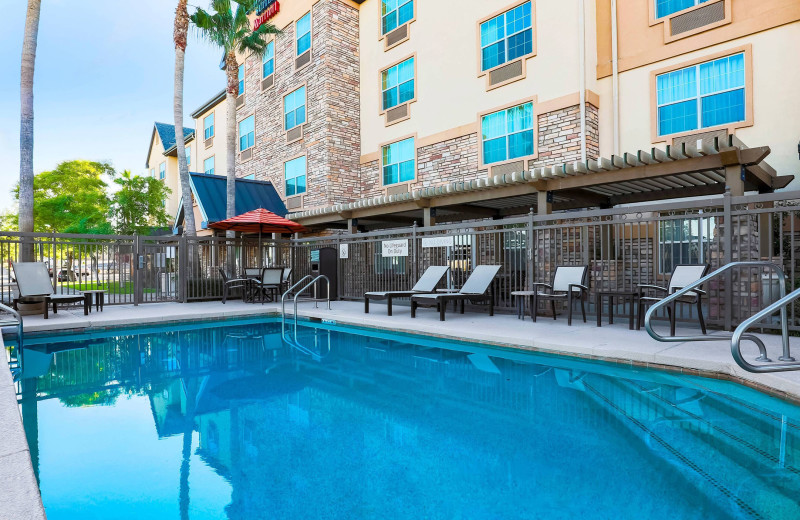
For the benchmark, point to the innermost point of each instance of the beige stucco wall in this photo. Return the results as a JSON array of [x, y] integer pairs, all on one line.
[[776, 105], [217, 149], [449, 92]]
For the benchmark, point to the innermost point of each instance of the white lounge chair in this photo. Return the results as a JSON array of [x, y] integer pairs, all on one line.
[[682, 276], [34, 283], [478, 287], [426, 284]]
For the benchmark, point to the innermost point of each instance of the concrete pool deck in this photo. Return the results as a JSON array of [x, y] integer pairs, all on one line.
[[612, 343]]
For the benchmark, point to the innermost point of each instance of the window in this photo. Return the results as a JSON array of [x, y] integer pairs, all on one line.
[[241, 79], [294, 172], [268, 62], [247, 133], [507, 134], [208, 126], [250, 177], [684, 241], [667, 7], [398, 162], [701, 96], [153, 173], [294, 108], [506, 37], [395, 13], [162, 170], [188, 150], [208, 166], [303, 34], [397, 84]]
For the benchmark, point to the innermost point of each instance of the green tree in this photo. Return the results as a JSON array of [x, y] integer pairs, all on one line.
[[231, 32], [72, 198], [138, 204]]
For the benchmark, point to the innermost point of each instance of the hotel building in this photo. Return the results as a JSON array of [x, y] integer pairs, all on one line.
[[381, 98]]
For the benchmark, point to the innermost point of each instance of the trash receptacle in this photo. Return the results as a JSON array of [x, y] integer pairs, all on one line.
[[325, 261]]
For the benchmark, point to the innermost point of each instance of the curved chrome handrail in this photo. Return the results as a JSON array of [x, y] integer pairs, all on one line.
[[739, 334], [18, 317], [290, 289]]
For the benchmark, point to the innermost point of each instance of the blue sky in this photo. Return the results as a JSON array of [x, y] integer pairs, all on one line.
[[104, 74]]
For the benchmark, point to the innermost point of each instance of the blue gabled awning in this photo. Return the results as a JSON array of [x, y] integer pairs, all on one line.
[[210, 192]]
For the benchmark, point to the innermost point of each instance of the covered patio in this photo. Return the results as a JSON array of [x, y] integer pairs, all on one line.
[[703, 168]]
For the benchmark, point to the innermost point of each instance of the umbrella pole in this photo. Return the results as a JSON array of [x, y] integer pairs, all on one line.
[[260, 257]]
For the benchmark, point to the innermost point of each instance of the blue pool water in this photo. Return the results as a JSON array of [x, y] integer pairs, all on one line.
[[224, 420]]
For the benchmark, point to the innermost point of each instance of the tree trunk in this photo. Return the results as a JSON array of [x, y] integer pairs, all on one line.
[[232, 69], [25, 221], [181, 29]]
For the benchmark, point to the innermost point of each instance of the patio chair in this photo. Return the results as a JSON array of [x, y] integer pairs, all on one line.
[[269, 284], [233, 283], [34, 283], [682, 276], [287, 276], [569, 282], [426, 284], [478, 287]]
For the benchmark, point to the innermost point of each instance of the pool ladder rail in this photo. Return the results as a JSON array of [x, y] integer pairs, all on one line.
[[294, 341], [14, 362], [765, 364]]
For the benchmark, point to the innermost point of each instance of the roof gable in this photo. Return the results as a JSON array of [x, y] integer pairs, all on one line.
[[166, 133]]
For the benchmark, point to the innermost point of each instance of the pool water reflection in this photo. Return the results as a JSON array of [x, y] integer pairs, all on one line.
[[228, 421]]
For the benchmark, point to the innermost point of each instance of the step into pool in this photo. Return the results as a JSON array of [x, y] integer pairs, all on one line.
[[240, 420]]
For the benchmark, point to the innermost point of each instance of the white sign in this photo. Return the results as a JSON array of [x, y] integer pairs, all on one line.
[[443, 241], [344, 251], [395, 248]]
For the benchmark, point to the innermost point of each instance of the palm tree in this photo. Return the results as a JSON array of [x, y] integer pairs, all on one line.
[[26, 126], [180, 32], [231, 32]]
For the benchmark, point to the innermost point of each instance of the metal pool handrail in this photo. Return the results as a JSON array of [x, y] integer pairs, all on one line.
[[739, 334], [17, 316], [741, 329], [290, 289]]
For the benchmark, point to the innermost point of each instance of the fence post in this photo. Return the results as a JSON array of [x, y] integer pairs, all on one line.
[[135, 270], [183, 257], [727, 257], [529, 276], [414, 259]]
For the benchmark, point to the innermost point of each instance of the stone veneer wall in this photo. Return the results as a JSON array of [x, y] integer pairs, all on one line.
[[332, 128], [457, 159]]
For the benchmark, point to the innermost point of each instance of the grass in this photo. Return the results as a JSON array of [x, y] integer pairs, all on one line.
[[110, 287]]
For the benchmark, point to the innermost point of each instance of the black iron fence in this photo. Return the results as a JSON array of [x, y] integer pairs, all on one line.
[[623, 247]]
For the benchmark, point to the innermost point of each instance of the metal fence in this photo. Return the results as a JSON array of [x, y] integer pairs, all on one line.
[[623, 247]]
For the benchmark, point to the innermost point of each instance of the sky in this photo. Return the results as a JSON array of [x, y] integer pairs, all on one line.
[[104, 74]]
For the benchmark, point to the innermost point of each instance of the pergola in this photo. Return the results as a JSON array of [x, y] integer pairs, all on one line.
[[679, 171]]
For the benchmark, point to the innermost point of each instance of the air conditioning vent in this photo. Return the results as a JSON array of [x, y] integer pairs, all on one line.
[[267, 82], [505, 73], [303, 59], [396, 36], [396, 190], [240, 101], [294, 202], [209, 142], [294, 134], [507, 169], [246, 155], [396, 114], [700, 17]]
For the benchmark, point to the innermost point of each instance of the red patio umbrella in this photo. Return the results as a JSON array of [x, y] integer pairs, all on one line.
[[258, 221]]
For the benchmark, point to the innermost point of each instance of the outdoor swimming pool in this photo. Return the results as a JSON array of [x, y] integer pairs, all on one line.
[[226, 420]]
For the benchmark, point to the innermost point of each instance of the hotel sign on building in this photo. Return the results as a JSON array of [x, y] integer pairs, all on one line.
[[265, 10]]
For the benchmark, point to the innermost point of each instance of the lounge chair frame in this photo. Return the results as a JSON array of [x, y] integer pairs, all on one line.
[[42, 289], [696, 299], [390, 295], [440, 301]]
